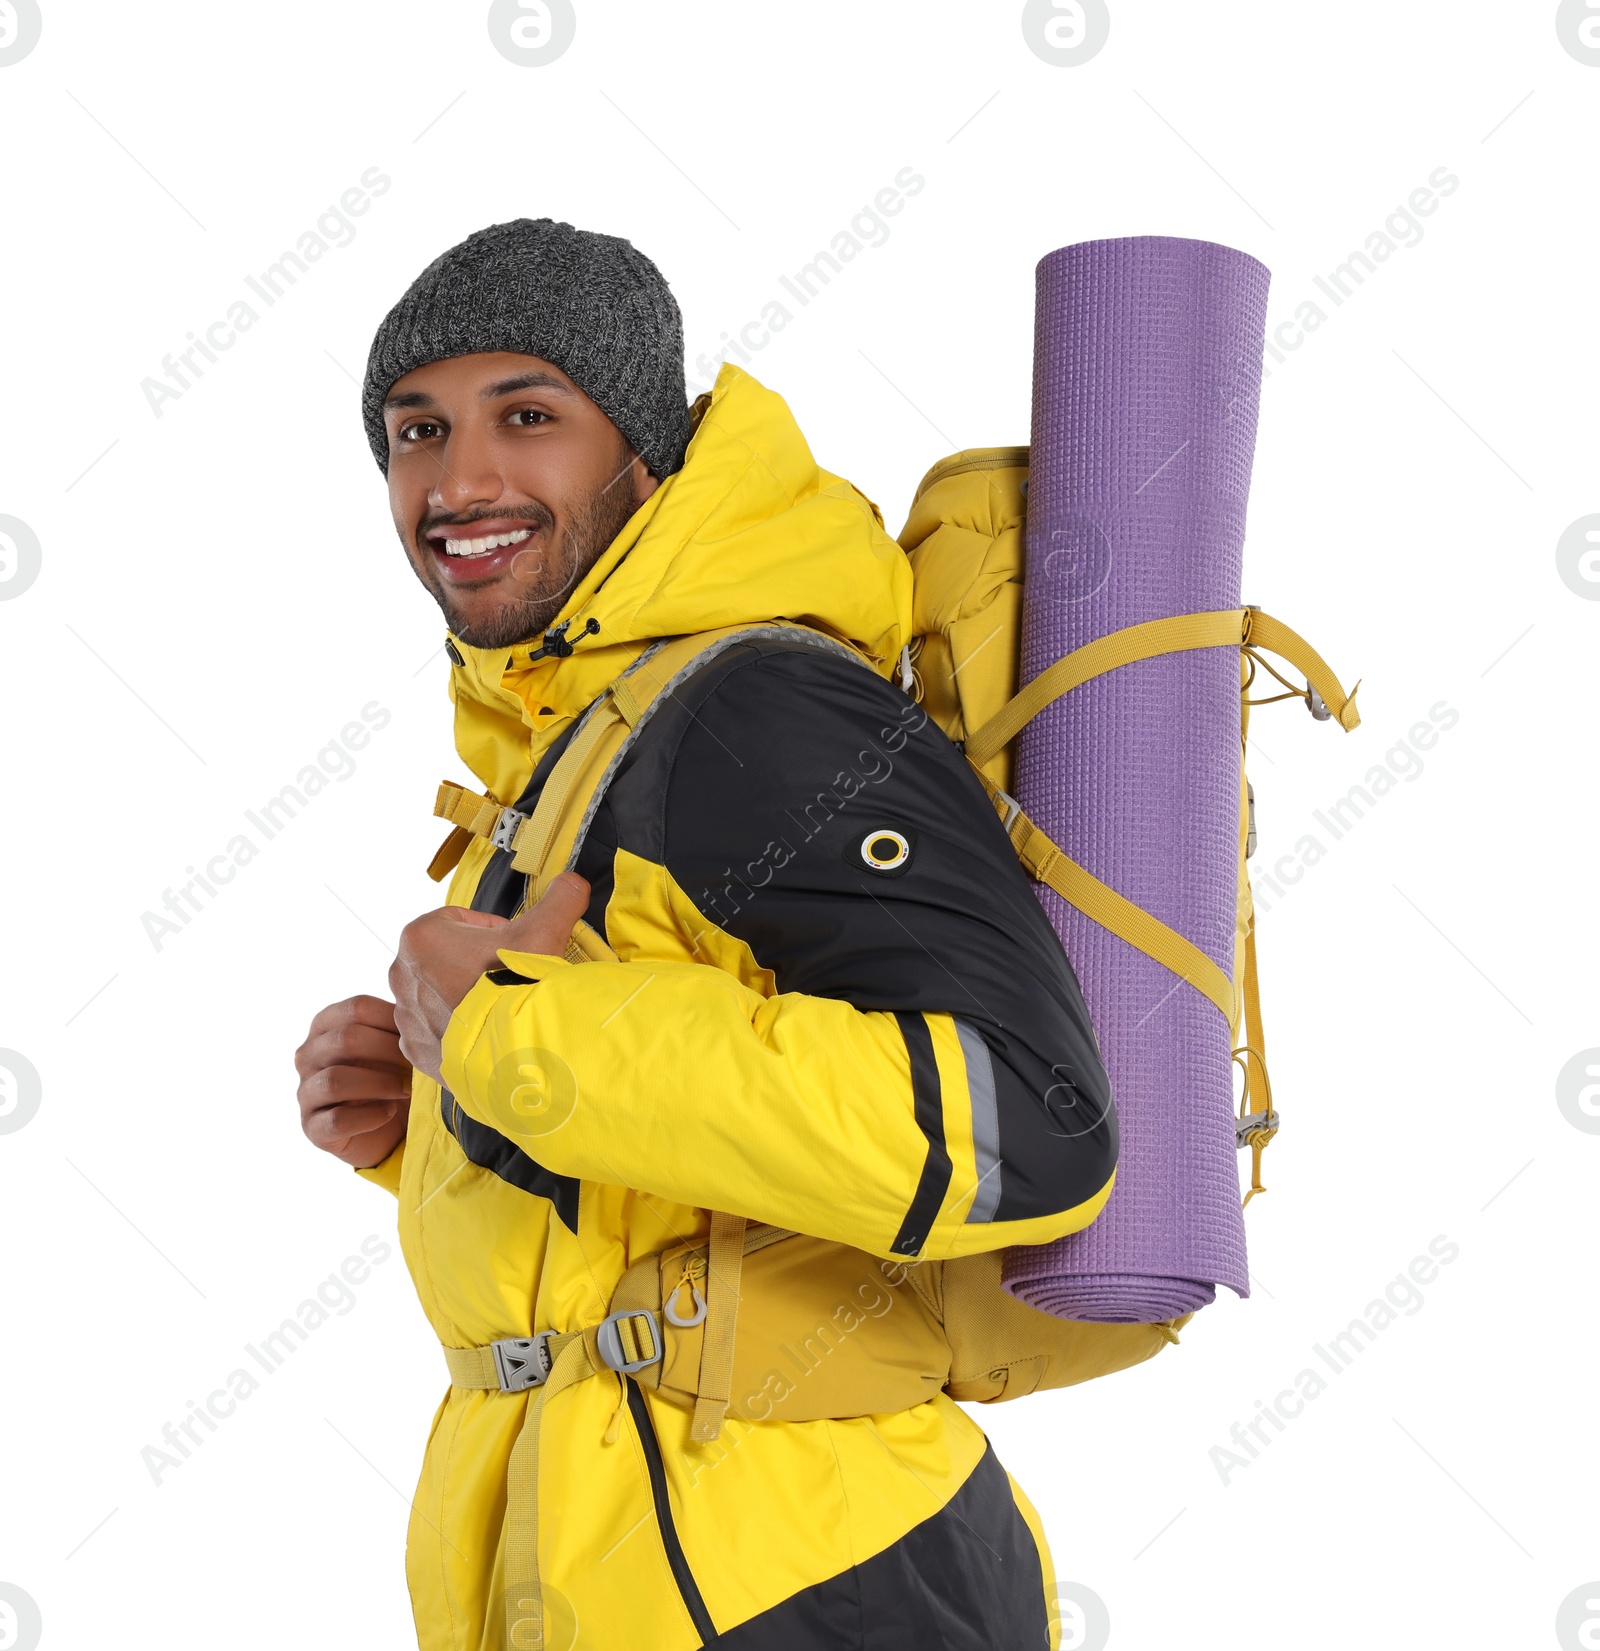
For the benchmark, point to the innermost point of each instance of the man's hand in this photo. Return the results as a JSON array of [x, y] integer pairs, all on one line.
[[443, 953], [355, 1085]]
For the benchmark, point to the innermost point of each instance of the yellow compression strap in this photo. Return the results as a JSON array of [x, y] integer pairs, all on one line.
[[1272, 635], [471, 813], [575, 1357], [1046, 863], [1178, 634], [470, 810], [1236, 627], [1256, 1102], [724, 1264], [1158, 636]]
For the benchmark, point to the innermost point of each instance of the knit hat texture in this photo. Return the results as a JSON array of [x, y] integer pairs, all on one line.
[[593, 305]]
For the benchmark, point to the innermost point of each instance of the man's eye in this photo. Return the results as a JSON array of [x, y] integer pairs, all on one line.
[[419, 430], [529, 416]]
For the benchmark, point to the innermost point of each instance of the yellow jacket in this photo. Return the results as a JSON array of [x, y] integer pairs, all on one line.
[[838, 1009]]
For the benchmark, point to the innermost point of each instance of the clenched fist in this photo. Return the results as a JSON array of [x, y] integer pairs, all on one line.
[[355, 1085], [443, 953]]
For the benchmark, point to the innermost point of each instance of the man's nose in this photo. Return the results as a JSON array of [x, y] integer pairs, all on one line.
[[468, 474]]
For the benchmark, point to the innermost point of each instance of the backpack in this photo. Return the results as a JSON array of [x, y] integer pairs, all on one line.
[[738, 1325]]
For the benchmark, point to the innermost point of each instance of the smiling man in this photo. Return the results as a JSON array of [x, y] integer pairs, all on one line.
[[736, 950]]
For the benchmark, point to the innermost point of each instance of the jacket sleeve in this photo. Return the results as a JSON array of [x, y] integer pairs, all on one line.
[[888, 1047], [386, 1174]]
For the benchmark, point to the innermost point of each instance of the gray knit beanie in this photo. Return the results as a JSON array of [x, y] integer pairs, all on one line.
[[591, 304]]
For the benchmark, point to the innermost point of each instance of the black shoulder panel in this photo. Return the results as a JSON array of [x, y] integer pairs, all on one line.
[[497, 1153], [808, 808]]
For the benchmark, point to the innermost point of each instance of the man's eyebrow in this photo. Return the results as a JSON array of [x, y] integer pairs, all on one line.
[[534, 380], [501, 387]]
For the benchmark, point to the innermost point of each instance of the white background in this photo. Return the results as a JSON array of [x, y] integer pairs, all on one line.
[[220, 591]]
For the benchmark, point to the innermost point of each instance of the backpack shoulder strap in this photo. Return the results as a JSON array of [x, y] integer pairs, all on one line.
[[546, 842]]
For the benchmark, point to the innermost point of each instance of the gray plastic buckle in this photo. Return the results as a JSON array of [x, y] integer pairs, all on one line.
[[505, 828], [609, 1341], [1317, 706], [522, 1362], [1250, 1123], [1013, 807]]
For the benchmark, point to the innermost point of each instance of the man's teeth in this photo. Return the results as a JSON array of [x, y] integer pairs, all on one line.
[[494, 541]]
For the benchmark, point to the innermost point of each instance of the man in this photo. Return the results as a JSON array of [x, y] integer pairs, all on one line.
[[821, 995]]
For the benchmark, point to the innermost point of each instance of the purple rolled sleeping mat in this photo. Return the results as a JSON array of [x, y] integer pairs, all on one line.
[[1147, 377]]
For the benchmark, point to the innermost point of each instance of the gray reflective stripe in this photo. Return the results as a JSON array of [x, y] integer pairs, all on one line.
[[985, 1122]]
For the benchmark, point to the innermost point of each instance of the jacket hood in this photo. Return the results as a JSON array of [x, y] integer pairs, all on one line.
[[751, 529]]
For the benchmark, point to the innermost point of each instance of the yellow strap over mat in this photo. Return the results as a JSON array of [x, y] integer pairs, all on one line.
[[1157, 636], [1263, 631], [1047, 864], [1237, 627]]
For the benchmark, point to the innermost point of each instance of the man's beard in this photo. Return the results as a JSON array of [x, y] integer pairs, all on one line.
[[594, 522]]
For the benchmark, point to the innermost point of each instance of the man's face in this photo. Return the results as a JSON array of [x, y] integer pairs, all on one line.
[[506, 483]]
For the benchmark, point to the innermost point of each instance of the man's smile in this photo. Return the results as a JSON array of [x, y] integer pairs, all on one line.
[[479, 550]]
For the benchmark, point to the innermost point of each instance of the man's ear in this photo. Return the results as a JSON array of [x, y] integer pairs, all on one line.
[[644, 484]]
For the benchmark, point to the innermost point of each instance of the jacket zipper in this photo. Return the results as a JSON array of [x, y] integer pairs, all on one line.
[[982, 458], [676, 1559]]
